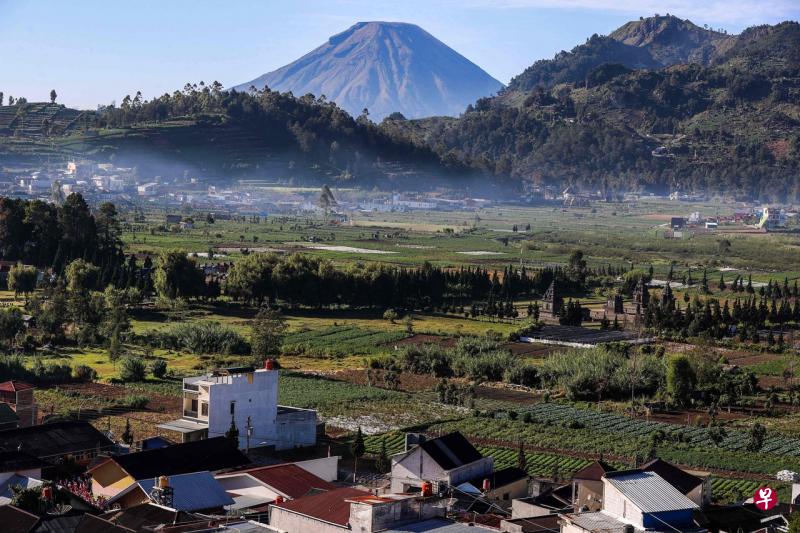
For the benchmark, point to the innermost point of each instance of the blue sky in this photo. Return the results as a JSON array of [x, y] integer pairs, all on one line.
[[94, 51]]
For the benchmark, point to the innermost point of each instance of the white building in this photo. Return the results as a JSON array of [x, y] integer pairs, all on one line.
[[249, 398], [147, 189], [634, 500], [449, 459]]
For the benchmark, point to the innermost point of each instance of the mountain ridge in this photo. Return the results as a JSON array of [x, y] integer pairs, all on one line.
[[385, 67], [731, 125]]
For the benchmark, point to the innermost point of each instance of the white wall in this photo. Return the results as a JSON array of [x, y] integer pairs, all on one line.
[[297, 523], [615, 503], [326, 468], [296, 428], [256, 396], [245, 485], [406, 470]]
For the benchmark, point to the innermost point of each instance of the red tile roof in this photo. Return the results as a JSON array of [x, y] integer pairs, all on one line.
[[289, 479], [14, 386], [330, 506]]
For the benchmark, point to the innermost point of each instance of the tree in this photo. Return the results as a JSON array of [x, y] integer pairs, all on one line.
[[756, 437], [27, 499], [132, 369], [79, 232], [390, 315], [116, 314], [382, 463], [10, 323], [158, 368], [177, 276], [82, 276], [794, 523], [266, 334], [681, 379], [233, 433], [53, 96], [357, 449], [22, 279], [522, 462], [127, 435]]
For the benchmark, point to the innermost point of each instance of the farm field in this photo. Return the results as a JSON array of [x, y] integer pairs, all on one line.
[[336, 359]]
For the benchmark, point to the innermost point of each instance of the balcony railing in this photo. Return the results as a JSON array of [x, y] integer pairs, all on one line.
[[191, 386]]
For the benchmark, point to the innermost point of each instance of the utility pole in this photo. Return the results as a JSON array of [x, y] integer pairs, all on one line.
[[249, 429]]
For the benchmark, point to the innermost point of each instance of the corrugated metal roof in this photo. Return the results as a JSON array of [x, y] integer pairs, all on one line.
[[650, 492], [193, 492], [438, 525], [331, 506], [289, 479], [597, 521]]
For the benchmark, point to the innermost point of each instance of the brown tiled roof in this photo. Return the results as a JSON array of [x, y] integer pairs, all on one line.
[[678, 478], [14, 386], [593, 471], [330, 506], [15, 519], [289, 479]]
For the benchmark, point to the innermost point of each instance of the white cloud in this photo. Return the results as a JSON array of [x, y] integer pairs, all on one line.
[[715, 13]]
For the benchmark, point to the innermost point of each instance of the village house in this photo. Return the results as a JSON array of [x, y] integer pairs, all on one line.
[[247, 398], [634, 500], [58, 442], [450, 459], [587, 486], [193, 492], [18, 396], [119, 472], [351, 509], [451, 462], [253, 489], [18, 469]]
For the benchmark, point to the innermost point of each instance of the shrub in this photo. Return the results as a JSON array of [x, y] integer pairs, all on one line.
[[521, 374], [158, 368], [136, 402], [204, 337], [84, 373], [132, 369]]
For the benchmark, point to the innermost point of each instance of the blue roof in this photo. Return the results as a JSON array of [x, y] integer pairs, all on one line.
[[193, 492], [23, 481]]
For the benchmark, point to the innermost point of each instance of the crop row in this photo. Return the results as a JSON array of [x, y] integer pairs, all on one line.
[[537, 463], [563, 435], [553, 413], [314, 392], [340, 340]]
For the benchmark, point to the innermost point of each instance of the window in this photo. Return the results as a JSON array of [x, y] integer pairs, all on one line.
[[194, 406], [204, 409], [233, 408]]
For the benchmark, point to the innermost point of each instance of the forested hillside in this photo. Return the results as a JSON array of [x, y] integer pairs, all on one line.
[[208, 131], [728, 126]]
